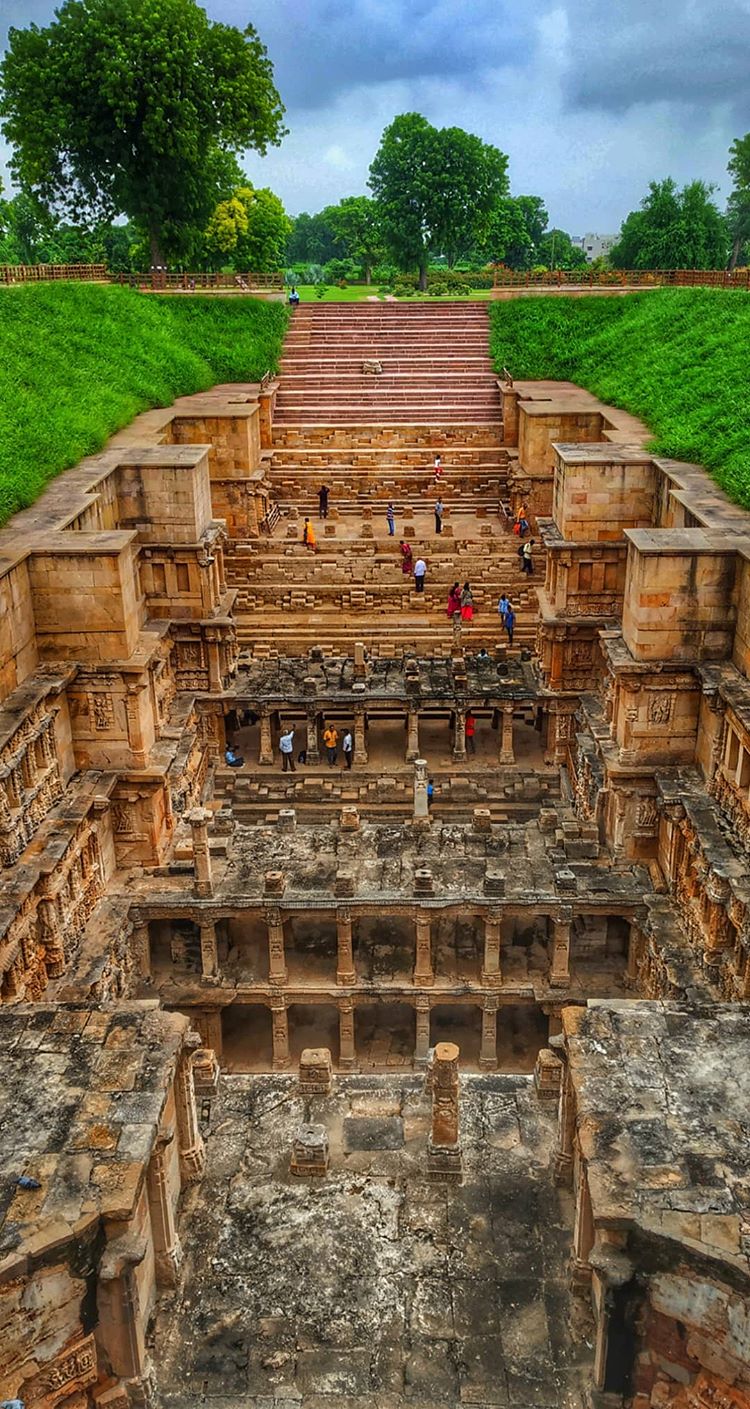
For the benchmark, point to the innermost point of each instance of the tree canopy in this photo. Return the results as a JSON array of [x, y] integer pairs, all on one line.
[[136, 107], [436, 189], [738, 205], [673, 229], [251, 229], [356, 226]]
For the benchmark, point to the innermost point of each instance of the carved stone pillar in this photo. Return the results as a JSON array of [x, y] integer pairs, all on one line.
[[412, 736], [560, 959], [280, 1033], [491, 975], [421, 800], [265, 752], [213, 654], [277, 970], [635, 948], [192, 1152], [360, 737], [422, 1045], [424, 975], [121, 1319], [345, 973], [444, 1150], [563, 1165], [48, 923], [313, 751], [141, 947], [209, 953], [505, 752], [167, 1250], [198, 821], [459, 733], [136, 740], [347, 1051], [488, 1049]]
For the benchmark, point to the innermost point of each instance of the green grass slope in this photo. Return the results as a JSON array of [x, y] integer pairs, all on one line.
[[78, 362], [677, 358]]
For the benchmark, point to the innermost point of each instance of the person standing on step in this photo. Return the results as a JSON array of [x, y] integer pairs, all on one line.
[[502, 608], [308, 535], [286, 749], [420, 572], [509, 622], [454, 601], [467, 603], [438, 469], [438, 515], [330, 739], [391, 518], [323, 501], [407, 558], [347, 748], [526, 562], [470, 725]]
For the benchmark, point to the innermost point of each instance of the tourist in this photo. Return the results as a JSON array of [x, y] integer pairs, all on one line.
[[330, 739], [391, 519], [454, 601], [483, 658], [526, 563], [232, 759], [430, 791], [502, 608], [521, 525], [308, 535], [509, 621], [323, 501], [293, 297], [348, 748], [420, 571], [407, 559], [469, 730], [467, 603], [438, 469], [438, 515], [286, 749]]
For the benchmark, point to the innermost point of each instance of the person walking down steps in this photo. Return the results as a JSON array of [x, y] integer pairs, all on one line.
[[526, 558], [509, 622], [323, 501], [438, 515], [391, 520], [420, 572], [308, 535]]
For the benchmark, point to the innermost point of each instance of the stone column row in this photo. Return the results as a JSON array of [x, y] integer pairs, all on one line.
[[505, 738]]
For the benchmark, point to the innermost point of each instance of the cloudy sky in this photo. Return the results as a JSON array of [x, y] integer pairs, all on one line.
[[591, 100]]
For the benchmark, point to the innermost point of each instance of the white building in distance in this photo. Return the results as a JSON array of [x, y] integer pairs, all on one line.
[[594, 245]]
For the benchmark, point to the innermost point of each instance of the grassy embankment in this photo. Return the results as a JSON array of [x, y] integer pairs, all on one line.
[[77, 362], [677, 358]]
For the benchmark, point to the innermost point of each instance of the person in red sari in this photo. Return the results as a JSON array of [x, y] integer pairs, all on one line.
[[454, 601], [467, 603], [407, 558]]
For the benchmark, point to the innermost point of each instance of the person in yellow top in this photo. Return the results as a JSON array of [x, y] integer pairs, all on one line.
[[330, 739], [308, 535]]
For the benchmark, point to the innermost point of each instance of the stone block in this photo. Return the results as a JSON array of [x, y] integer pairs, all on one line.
[[315, 1071], [310, 1152], [547, 1075], [274, 883]]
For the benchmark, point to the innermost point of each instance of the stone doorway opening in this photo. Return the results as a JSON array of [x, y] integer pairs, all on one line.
[[458, 948], [384, 948], [313, 1025], [310, 946], [175, 947], [246, 948], [460, 1023], [522, 1030], [384, 1036], [247, 1037]]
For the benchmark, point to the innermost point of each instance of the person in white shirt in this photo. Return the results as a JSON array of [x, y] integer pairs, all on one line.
[[348, 748], [286, 748], [420, 568]]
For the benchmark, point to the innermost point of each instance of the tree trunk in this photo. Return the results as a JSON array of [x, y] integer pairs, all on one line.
[[423, 278], [154, 240], [734, 257], [368, 273]]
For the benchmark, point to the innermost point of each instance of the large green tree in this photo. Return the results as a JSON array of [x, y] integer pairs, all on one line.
[[556, 250], [738, 205], [355, 223], [136, 107], [436, 190], [673, 229], [251, 229], [516, 228]]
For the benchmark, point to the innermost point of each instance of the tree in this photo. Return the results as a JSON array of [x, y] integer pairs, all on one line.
[[556, 250], [516, 228], [312, 240], [673, 229], [251, 229], [136, 107], [436, 190], [355, 223], [738, 205]]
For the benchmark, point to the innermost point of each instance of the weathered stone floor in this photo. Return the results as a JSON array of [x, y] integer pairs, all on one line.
[[373, 1289]]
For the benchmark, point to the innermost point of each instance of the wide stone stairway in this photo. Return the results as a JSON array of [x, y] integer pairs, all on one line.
[[371, 437]]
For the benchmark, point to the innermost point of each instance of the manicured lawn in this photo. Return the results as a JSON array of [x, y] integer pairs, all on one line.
[[677, 358], [77, 362], [354, 293]]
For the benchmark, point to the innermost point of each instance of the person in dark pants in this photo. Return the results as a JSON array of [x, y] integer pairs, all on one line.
[[526, 563], [438, 515], [232, 759], [509, 621], [323, 501], [420, 570], [330, 740], [286, 749], [347, 748]]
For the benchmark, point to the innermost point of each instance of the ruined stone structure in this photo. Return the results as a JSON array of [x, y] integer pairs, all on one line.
[[585, 841]]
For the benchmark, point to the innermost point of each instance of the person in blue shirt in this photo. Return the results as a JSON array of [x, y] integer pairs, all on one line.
[[509, 621], [430, 791], [232, 759], [293, 297]]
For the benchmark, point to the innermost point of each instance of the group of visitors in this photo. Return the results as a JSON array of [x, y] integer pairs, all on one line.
[[330, 743], [460, 601], [507, 617]]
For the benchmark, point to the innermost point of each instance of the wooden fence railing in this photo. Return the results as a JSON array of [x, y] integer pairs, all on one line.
[[40, 273], [246, 282]]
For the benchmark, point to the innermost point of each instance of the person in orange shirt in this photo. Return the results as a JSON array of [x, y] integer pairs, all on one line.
[[470, 728], [308, 535], [330, 739]]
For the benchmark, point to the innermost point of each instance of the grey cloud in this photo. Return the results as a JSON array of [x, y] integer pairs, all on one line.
[[646, 52]]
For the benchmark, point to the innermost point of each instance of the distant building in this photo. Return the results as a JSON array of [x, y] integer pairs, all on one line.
[[594, 245]]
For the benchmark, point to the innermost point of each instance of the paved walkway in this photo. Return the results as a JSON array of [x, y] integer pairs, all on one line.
[[373, 1289]]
